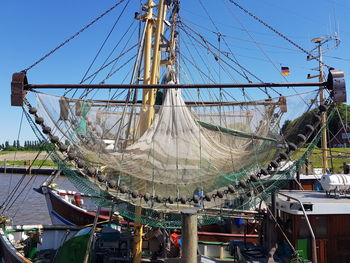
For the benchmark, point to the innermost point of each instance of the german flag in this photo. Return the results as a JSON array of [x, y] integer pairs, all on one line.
[[285, 71]]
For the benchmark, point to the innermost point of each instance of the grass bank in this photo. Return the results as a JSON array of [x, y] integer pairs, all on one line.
[[336, 158], [30, 162]]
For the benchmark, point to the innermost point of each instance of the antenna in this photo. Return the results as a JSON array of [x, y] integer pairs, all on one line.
[[320, 41]]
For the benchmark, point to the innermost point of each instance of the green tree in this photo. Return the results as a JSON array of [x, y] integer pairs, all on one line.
[[291, 128], [339, 119]]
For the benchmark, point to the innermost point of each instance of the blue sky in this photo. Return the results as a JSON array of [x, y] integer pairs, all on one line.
[[32, 28]]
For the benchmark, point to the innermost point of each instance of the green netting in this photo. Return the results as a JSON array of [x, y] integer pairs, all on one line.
[[173, 220], [234, 132], [152, 215]]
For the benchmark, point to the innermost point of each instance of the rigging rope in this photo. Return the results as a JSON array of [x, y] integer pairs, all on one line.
[[9, 193], [112, 70], [206, 46], [104, 42], [255, 42], [14, 158], [109, 63], [11, 196], [222, 36], [29, 188], [250, 41], [73, 36], [208, 43], [206, 64], [277, 32]]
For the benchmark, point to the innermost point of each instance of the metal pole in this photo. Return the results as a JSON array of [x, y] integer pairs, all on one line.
[[88, 247], [273, 204], [147, 95], [172, 86], [138, 233], [323, 114], [145, 114], [298, 178], [189, 237], [314, 248], [156, 50]]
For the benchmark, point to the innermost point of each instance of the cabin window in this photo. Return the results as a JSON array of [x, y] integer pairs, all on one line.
[[320, 226]]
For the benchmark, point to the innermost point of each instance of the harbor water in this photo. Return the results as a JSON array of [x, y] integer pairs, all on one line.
[[26, 205]]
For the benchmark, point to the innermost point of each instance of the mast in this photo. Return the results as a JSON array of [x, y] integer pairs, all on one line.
[[147, 95], [151, 72], [151, 76], [323, 114], [319, 41]]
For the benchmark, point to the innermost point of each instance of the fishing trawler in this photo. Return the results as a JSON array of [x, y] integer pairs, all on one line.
[[160, 151]]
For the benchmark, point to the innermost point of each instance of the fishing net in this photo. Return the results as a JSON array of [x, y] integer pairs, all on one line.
[[189, 151], [215, 150]]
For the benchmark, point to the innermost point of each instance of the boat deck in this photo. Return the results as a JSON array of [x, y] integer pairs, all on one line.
[[314, 202]]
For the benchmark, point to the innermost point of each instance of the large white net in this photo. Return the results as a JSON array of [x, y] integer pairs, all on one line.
[[185, 149]]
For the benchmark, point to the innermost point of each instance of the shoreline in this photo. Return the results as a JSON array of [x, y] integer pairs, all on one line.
[[32, 171]]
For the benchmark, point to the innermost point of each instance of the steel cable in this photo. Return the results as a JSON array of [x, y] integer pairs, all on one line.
[[73, 36]]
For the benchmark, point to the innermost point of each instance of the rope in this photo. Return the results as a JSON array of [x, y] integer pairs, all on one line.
[[208, 43], [73, 36], [29, 188], [109, 63], [9, 193], [206, 46], [277, 32], [104, 42], [256, 43], [205, 63], [8, 200], [222, 36], [14, 158]]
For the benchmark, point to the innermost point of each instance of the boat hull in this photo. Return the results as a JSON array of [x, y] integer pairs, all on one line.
[[8, 254], [51, 237], [63, 212]]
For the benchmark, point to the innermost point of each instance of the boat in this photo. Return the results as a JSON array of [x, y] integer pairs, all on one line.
[[316, 224], [30, 243], [57, 243], [165, 153], [72, 208], [76, 209]]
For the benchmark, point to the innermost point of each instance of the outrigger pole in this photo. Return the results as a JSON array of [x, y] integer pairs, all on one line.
[[335, 84], [29, 87]]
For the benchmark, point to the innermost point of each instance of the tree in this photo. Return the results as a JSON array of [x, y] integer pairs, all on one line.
[[339, 119], [291, 128]]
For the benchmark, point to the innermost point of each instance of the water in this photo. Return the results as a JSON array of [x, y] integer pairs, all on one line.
[[30, 206]]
